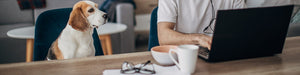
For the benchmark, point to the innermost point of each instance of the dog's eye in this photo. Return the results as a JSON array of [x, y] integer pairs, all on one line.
[[91, 10]]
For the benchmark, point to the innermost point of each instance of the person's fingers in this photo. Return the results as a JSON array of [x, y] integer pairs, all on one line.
[[207, 42], [209, 46]]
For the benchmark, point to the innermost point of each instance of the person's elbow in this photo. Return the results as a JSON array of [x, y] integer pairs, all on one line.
[[164, 32]]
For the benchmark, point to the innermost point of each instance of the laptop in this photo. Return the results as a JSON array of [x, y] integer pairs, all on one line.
[[248, 33]]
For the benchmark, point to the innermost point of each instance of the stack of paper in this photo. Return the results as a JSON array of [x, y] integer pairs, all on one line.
[[160, 70]]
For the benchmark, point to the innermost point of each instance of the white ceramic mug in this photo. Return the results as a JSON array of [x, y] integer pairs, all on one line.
[[187, 57]]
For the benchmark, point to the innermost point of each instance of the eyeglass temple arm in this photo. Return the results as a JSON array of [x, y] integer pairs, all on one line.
[[146, 63]]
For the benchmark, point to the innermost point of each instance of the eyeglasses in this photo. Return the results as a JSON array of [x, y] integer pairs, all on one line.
[[145, 68], [211, 21], [206, 30]]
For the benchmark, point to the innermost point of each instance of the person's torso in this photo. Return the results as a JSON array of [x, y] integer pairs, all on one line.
[[195, 15]]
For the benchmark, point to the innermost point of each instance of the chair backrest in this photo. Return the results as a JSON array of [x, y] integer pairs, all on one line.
[[153, 38], [49, 26]]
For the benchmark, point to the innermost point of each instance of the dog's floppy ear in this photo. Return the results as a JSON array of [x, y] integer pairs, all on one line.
[[77, 19]]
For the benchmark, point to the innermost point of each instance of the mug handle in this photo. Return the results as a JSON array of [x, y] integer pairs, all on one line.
[[170, 54]]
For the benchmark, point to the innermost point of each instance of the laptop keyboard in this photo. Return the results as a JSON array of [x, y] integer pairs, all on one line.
[[203, 51]]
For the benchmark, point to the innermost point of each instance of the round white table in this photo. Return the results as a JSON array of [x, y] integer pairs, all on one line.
[[24, 33], [103, 31]]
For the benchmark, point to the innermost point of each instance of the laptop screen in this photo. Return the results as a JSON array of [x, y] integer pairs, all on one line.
[[251, 32]]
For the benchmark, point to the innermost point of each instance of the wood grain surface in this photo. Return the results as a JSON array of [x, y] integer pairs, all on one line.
[[287, 63]]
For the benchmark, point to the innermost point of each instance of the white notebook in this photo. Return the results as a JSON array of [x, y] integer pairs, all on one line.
[[160, 70]]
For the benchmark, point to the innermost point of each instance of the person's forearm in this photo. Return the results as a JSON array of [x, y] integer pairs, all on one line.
[[167, 36]]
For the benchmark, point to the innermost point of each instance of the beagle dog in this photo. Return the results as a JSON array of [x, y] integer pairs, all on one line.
[[76, 39]]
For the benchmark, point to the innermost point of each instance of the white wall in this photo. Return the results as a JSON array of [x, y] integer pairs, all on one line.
[[11, 13], [55, 4]]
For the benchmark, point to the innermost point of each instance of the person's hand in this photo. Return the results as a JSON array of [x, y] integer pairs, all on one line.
[[203, 40]]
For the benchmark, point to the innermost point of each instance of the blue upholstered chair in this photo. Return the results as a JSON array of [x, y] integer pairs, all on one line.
[[48, 27], [153, 38]]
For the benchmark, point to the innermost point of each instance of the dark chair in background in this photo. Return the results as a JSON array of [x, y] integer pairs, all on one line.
[[153, 38], [48, 26]]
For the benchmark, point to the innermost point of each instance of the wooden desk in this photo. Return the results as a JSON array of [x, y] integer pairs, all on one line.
[[287, 63]]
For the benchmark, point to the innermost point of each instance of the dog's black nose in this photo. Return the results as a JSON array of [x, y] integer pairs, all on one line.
[[104, 16]]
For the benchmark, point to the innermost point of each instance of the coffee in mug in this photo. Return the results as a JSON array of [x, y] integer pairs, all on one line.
[[161, 54]]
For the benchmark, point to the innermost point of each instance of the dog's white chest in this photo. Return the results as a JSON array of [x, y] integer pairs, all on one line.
[[75, 44]]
